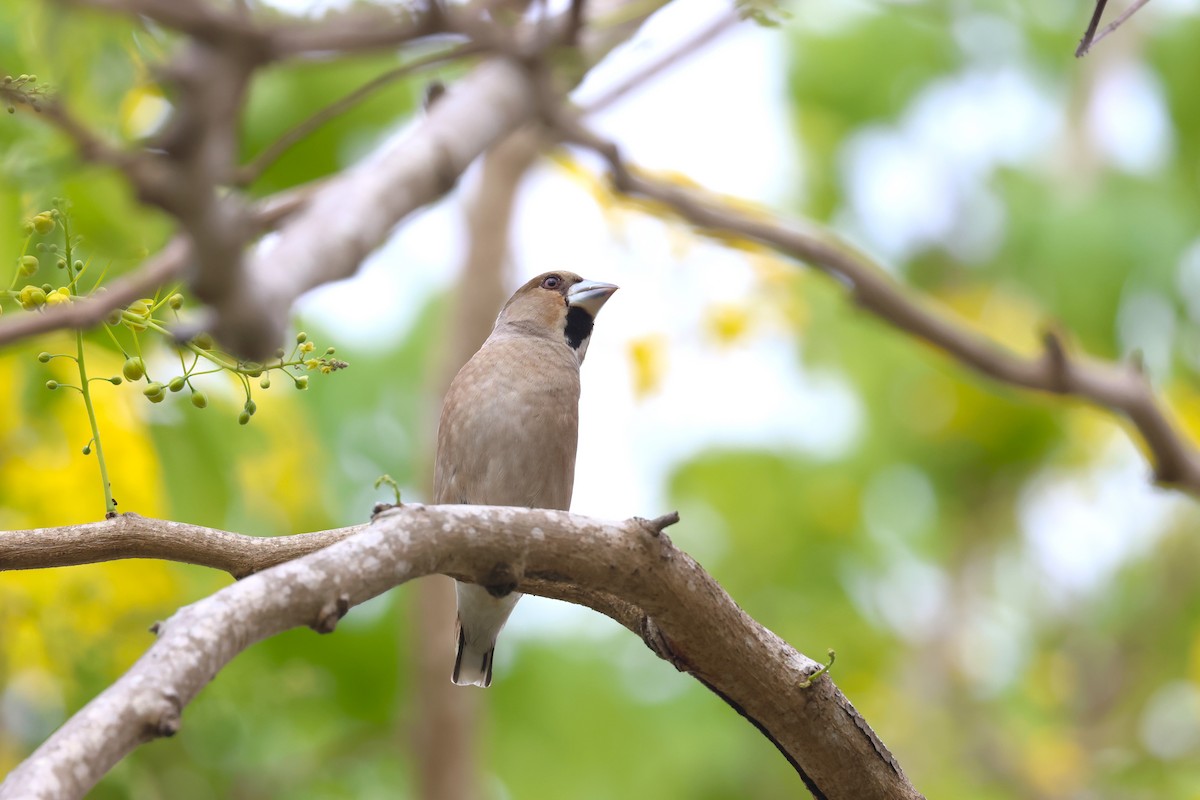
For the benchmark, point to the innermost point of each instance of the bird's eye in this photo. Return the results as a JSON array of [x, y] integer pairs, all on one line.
[[551, 282]]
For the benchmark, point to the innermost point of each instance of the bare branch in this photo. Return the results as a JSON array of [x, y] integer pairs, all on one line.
[[133, 536], [1117, 387], [251, 171], [358, 209], [262, 40], [1090, 37], [357, 30], [665, 61], [621, 569]]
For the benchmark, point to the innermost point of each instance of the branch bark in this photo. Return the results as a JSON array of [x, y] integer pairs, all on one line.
[[1122, 388], [360, 207], [630, 571]]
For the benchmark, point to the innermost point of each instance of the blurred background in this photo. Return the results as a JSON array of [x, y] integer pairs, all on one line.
[[1012, 602]]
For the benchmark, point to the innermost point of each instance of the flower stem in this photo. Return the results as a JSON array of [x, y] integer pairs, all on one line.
[[110, 505]]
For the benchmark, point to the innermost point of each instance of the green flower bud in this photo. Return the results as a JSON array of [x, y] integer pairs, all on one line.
[[87, 450], [43, 223], [176, 383], [199, 399], [43, 357], [243, 418], [204, 341], [61, 263], [280, 353], [301, 337], [52, 385], [78, 265], [31, 297], [157, 398], [27, 226], [133, 369], [153, 388], [175, 301], [115, 380], [252, 368], [329, 351], [251, 407], [302, 382], [114, 317], [28, 265], [265, 382]]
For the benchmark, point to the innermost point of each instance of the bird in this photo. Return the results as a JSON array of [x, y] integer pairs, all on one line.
[[508, 432]]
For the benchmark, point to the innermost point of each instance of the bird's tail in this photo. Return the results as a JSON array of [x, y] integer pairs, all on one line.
[[472, 664], [480, 618]]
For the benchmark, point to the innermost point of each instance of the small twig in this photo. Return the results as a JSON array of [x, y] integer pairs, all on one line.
[[1090, 37], [664, 61], [250, 172], [574, 22], [1090, 33]]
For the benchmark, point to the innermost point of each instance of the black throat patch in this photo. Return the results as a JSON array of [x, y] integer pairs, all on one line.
[[579, 326]]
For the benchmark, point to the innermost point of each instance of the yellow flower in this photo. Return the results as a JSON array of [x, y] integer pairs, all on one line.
[[59, 296], [727, 322], [648, 363]]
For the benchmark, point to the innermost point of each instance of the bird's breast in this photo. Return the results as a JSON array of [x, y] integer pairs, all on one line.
[[509, 427]]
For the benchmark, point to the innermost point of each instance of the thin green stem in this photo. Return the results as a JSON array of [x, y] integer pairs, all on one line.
[[17, 273], [110, 505]]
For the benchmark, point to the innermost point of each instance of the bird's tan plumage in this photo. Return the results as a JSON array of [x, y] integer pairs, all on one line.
[[509, 430]]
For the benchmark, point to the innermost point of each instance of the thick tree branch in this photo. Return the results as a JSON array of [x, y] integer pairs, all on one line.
[[360, 207], [630, 571], [1121, 388]]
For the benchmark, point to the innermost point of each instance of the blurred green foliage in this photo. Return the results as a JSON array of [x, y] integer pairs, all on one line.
[[986, 673]]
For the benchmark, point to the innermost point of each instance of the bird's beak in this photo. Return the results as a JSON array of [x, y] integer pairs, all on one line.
[[590, 295]]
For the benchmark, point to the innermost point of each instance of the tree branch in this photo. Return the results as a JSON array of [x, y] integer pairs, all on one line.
[[1121, 388], [133, 536], [250, 172], [668, 58], [630, 571], [169, 264], [360, 206], [1090, 37]]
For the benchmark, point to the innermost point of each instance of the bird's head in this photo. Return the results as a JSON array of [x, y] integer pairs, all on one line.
[[557, 304]]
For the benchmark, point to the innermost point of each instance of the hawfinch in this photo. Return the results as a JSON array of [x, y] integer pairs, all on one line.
[[508, 432]]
